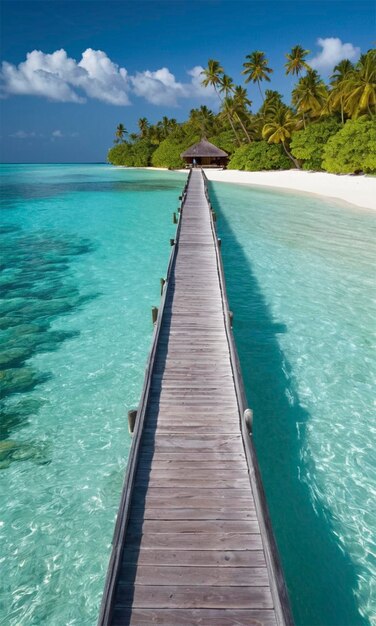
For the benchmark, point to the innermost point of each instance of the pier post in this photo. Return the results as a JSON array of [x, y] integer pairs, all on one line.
[[132, 415], [154, 314]]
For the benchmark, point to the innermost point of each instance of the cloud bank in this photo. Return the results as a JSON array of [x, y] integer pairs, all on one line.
[[60, 78], [333, 51]]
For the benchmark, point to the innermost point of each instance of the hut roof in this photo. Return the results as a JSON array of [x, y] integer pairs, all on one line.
[[204, 149]]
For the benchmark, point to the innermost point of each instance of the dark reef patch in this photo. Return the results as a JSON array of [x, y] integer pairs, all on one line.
[[35, 289]]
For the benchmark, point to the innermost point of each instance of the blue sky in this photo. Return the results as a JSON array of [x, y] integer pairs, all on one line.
[[93, 64]]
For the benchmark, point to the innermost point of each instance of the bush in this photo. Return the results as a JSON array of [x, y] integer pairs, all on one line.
[[308, 144], [120, 154], [168, 152], [353, 149], [142, 152], [258, 156]]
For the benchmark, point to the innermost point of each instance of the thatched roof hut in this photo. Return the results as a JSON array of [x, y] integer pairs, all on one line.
[[205, 154]]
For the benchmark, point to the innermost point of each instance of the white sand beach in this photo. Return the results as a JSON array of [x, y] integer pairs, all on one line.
[[357, 190]]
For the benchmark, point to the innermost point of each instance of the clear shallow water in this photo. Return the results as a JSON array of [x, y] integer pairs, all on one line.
[[300, 280], [82, 252]]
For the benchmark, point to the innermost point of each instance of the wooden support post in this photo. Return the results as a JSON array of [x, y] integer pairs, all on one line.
[[132, 415], [174, 218], [172, 242], [162, 284], [231, 318], [181, 197], [219, 242], [248, 418], [154, 314], [214, 216]]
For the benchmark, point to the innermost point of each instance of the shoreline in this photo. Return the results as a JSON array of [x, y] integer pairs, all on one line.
[[357, 191], [360, 191]]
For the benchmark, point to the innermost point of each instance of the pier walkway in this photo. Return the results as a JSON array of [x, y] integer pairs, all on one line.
[[193, 543]]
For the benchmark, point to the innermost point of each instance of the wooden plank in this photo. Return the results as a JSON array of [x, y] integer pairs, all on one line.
[[177, 483], [203, 576], [223, 513], [148, 596], [197, 558], [194, 474], [199, 526], [196, 541], [193, 617]]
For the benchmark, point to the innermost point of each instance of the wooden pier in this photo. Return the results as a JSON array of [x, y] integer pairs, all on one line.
[[193, 542]]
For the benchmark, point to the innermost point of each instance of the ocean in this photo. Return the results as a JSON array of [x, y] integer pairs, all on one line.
[[83, 250]]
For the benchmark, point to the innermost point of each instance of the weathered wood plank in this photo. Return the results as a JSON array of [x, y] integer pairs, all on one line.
[[203, 576], [199, 526], [149, 596], [196, 541], [193, 617], [195, 558], [186, 514]]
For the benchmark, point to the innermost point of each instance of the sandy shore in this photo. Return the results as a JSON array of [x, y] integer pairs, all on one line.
[[357, 190]]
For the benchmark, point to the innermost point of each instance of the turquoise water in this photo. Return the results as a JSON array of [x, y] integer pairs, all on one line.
[[300, 280], [82, 252]]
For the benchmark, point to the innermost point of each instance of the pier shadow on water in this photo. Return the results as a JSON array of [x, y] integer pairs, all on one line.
[[320, 576]]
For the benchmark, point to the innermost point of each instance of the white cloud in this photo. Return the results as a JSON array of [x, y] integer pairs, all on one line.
[[62, 79], [21, 134], [57, 77], [159, 87], [333, 51], [162, 88], [57, 134], [197, 89]]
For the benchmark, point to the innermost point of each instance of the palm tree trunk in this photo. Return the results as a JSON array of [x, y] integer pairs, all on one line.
[[342, 112], [262, 95], [290, 156], [229, 118], [233, 127], [244, 128]]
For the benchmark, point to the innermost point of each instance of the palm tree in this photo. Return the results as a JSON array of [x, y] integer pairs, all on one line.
[[256, 69], [143, 125], [241, 102], [310, 95], [120, 133], [203, 119], [212, 75], [226, 87], [341, 73], [359, 87], [296, 61], [279, 129], [272, 100]]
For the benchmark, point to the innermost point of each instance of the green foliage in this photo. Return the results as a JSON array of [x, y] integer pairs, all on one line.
[[258, 156], [225, 141], [131, 155], [308, 145], [352, 149], [168, 152], [120, 154], [142, 151]]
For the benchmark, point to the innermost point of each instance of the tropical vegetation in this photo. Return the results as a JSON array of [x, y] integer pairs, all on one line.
[[326, 126]]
